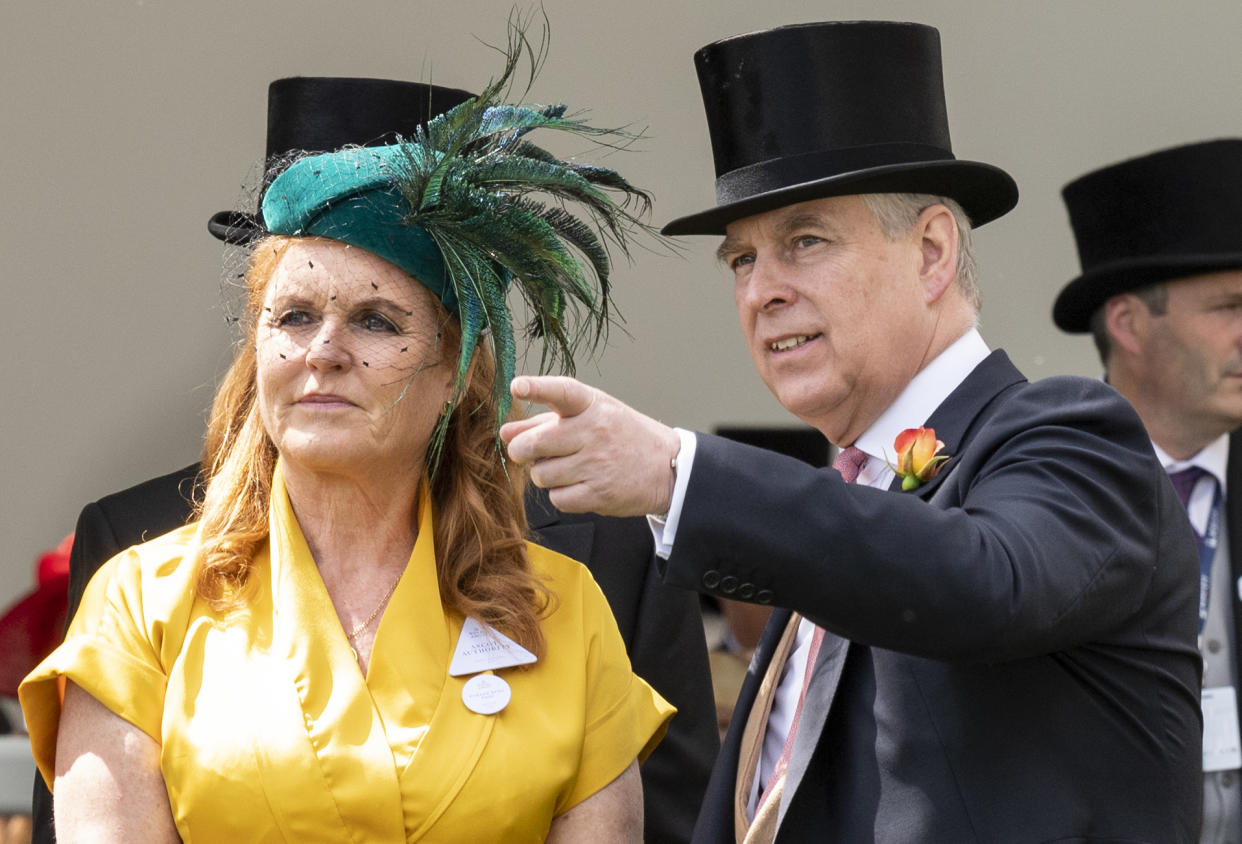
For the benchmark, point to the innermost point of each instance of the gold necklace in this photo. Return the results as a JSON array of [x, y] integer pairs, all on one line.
[[367, 622]]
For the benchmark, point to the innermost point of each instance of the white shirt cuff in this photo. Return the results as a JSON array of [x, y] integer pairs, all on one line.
[[664, 528]]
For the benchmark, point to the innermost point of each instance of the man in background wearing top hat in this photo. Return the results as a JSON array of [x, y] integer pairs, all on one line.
[[1160, 240], [662, 629], [999, 646]]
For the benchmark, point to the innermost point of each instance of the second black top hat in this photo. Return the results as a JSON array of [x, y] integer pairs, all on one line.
[[325, 113], [826, 109], [1169, 214]]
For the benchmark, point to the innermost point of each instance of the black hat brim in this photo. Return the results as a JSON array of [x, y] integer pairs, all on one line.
[[1080, 299], [234, 227], [984, 191]]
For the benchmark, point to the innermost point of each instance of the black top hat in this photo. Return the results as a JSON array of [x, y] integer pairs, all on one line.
[[325, 113], [826, 109], [1166, 215]]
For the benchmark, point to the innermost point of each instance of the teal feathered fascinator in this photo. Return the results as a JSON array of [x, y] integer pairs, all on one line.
[[469, 207]]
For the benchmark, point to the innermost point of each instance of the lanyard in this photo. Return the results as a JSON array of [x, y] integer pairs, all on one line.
[[1207, 551]]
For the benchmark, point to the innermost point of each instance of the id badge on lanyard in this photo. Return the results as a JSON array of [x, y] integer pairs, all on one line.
[[1207, 552], [1222, 748]]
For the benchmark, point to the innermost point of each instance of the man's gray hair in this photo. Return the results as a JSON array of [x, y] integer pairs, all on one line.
[[896, 213], [1155, 297]]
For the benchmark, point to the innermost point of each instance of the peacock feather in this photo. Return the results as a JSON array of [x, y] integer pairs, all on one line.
[[506, 213], [473, 209]]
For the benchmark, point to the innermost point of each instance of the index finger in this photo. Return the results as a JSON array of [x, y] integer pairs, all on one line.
[[509, 430], [559, 393]]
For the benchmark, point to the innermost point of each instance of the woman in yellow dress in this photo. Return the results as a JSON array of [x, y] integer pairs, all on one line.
[[354, 641]]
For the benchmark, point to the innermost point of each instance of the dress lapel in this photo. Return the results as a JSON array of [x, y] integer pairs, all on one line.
[[397, 746], [346, 735], [436, 740]]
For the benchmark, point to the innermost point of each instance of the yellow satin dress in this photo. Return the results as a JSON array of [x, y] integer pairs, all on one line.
[[269, 731]]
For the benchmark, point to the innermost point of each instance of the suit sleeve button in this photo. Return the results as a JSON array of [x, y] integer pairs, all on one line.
[[764, 596], [711, 578], [746, 591], [728, 584]]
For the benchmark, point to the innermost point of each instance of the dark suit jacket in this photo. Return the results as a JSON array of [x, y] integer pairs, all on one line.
[[662, 628], [1233, 529], [1011, 650]]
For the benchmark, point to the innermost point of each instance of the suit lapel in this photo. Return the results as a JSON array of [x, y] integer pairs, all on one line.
[[954, 421], [815, 708], [959, 415]]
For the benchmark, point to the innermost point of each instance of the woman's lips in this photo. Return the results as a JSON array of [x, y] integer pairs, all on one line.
[[324, 400]]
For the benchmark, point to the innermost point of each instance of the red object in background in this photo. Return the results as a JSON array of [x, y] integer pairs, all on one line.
[[32, 628]]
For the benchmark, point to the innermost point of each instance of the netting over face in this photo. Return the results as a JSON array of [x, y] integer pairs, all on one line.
[[239, 250], [483, 216], [352, 368]]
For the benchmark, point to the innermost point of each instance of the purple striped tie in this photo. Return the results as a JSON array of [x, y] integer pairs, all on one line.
[[1184, 481]]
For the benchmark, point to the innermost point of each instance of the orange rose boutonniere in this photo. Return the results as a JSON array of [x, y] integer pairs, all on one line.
[[918, 457]]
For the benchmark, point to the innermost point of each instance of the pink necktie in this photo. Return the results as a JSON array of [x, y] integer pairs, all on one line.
[[848, 462]]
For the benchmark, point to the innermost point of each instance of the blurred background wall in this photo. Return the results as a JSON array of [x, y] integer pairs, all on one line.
[[125, 124]]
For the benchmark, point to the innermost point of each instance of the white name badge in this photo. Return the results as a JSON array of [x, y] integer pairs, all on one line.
[[484, 648], [1222, 750], [485, 694]]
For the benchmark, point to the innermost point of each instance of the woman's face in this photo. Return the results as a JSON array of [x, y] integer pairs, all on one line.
[[351, 371]]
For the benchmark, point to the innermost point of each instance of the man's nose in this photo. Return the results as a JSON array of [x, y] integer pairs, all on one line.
[[767, 286]]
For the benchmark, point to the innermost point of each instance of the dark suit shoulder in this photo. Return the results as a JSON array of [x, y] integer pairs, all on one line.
[[997, 392], [152, 507], [1073, 413], [1088, 395], [117, 521]]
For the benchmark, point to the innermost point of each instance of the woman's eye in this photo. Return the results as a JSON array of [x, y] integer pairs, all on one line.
[[806, 240], [376, 322], [741, 261], [293, 318]]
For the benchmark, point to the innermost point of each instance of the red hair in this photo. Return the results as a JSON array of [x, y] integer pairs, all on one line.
[[480, 520]]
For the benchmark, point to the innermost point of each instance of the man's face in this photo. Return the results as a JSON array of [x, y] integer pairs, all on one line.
[[833, 312], [1192, 354]]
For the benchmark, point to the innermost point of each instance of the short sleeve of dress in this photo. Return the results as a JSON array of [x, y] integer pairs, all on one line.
[[625, 717], [112, 650]]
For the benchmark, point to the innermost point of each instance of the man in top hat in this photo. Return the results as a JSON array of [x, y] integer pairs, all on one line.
[[1160, 240], [994, 638], [662, 629]]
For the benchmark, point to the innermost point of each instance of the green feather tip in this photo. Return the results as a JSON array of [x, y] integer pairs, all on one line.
[[505, 212]]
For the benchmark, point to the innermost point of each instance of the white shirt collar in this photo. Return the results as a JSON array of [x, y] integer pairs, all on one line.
[[1212, 458], [926, 391]]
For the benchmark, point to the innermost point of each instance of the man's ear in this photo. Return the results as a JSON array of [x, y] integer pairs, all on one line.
[[1125, 319], [938, 241]]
